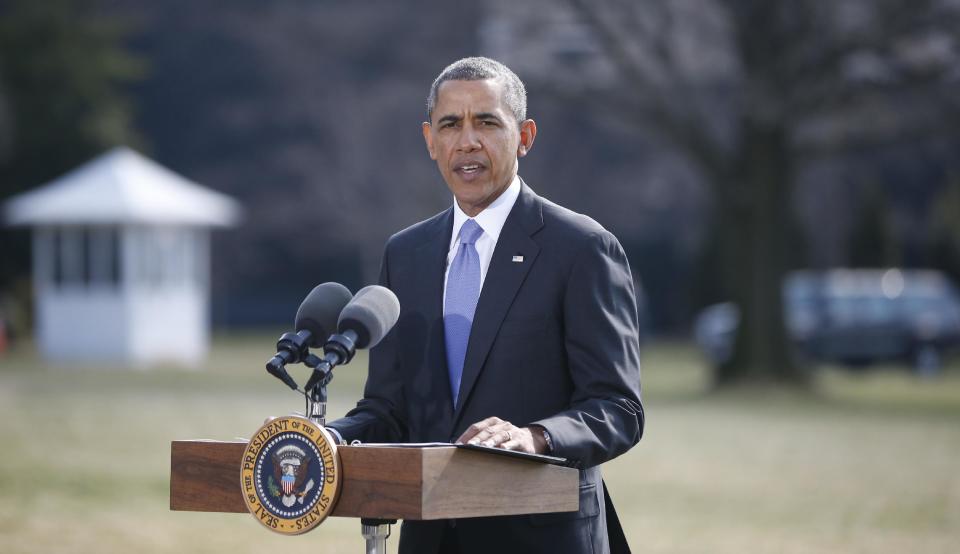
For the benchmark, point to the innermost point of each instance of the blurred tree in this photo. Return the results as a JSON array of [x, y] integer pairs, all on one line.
[[944, 240], [307, 112], [63, 69], [750, 89], [874, 241]]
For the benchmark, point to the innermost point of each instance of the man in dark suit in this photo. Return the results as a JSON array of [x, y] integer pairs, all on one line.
[[518, 325]]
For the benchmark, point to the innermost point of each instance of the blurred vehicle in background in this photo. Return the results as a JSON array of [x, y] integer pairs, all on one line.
[[854, 317]]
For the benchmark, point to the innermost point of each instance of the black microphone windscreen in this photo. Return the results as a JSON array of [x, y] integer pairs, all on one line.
[[371, 314], [320, 310]]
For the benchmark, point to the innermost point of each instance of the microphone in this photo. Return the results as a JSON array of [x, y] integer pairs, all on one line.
[[363, 323], [316, 318]]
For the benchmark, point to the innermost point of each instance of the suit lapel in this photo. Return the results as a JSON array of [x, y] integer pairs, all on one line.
[[430, 266], [503, 280]]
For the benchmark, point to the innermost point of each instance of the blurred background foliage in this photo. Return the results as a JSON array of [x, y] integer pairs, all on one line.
[[64, 75], [723, 141]]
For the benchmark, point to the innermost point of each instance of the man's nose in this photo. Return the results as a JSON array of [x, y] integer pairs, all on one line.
[[469, 139]]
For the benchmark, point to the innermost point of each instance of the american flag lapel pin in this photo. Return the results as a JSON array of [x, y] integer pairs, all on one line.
[[517, 259]]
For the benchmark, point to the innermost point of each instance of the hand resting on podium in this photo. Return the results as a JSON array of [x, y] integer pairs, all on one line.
[[496, 432]]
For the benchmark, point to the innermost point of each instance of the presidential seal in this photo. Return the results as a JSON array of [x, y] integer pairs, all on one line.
[[290, 475]]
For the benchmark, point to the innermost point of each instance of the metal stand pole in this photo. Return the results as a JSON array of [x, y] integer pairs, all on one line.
[[317, 395], [375, 532]]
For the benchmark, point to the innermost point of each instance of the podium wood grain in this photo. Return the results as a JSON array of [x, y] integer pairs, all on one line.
[[205, 476], [388, 482]]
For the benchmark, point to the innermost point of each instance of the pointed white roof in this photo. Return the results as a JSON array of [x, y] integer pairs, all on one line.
[[121, 186]]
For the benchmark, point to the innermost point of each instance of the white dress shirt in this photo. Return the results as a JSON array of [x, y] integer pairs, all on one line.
[[491, 220]]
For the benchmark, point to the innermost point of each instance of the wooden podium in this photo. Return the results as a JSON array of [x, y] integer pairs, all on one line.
[[386, 482]]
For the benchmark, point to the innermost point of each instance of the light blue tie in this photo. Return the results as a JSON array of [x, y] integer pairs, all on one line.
[[463, 291]]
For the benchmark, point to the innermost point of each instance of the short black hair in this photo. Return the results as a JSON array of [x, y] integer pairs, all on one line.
[[479, 69]]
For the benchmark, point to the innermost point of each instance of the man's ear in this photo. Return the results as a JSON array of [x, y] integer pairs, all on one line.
[[528, 132], [428, 138]]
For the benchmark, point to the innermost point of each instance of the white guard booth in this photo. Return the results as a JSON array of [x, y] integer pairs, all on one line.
[[121, 258]]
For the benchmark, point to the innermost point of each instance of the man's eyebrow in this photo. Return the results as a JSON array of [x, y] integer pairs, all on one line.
[[487, 115], [450, 118]]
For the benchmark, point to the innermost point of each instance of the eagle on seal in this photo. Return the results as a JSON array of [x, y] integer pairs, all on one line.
[[290, 468]]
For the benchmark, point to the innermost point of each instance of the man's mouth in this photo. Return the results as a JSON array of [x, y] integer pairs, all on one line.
[[469, 169]]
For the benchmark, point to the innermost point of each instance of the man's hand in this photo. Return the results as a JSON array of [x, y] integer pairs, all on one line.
[[494, 431]]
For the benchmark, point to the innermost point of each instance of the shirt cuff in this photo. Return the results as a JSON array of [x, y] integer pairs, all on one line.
[[548, 440], [546, 437], [338, 437]]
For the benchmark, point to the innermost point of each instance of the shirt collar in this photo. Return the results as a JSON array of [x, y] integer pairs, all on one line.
[[492, 218]]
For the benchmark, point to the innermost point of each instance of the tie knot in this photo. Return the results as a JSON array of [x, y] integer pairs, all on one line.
[[470, 232]]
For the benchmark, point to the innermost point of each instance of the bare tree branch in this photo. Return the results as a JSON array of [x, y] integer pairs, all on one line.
[[647, 102]]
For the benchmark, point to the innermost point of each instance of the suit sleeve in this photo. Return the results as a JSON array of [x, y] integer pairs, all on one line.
[[601, 336], [377, 416]]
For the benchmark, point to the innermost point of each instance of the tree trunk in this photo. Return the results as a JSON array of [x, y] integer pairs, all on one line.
[[756, 224]]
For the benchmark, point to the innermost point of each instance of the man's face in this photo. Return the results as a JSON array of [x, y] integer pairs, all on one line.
[[476, 140]]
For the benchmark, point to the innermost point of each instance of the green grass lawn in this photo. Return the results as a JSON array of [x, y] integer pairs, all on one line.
[[865, 463]]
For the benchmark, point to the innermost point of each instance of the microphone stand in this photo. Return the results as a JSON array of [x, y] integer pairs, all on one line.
[[317, 395], [375, 531], [338, 350]]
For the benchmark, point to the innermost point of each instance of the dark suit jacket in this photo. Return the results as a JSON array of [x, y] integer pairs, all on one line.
[[554, 342]]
